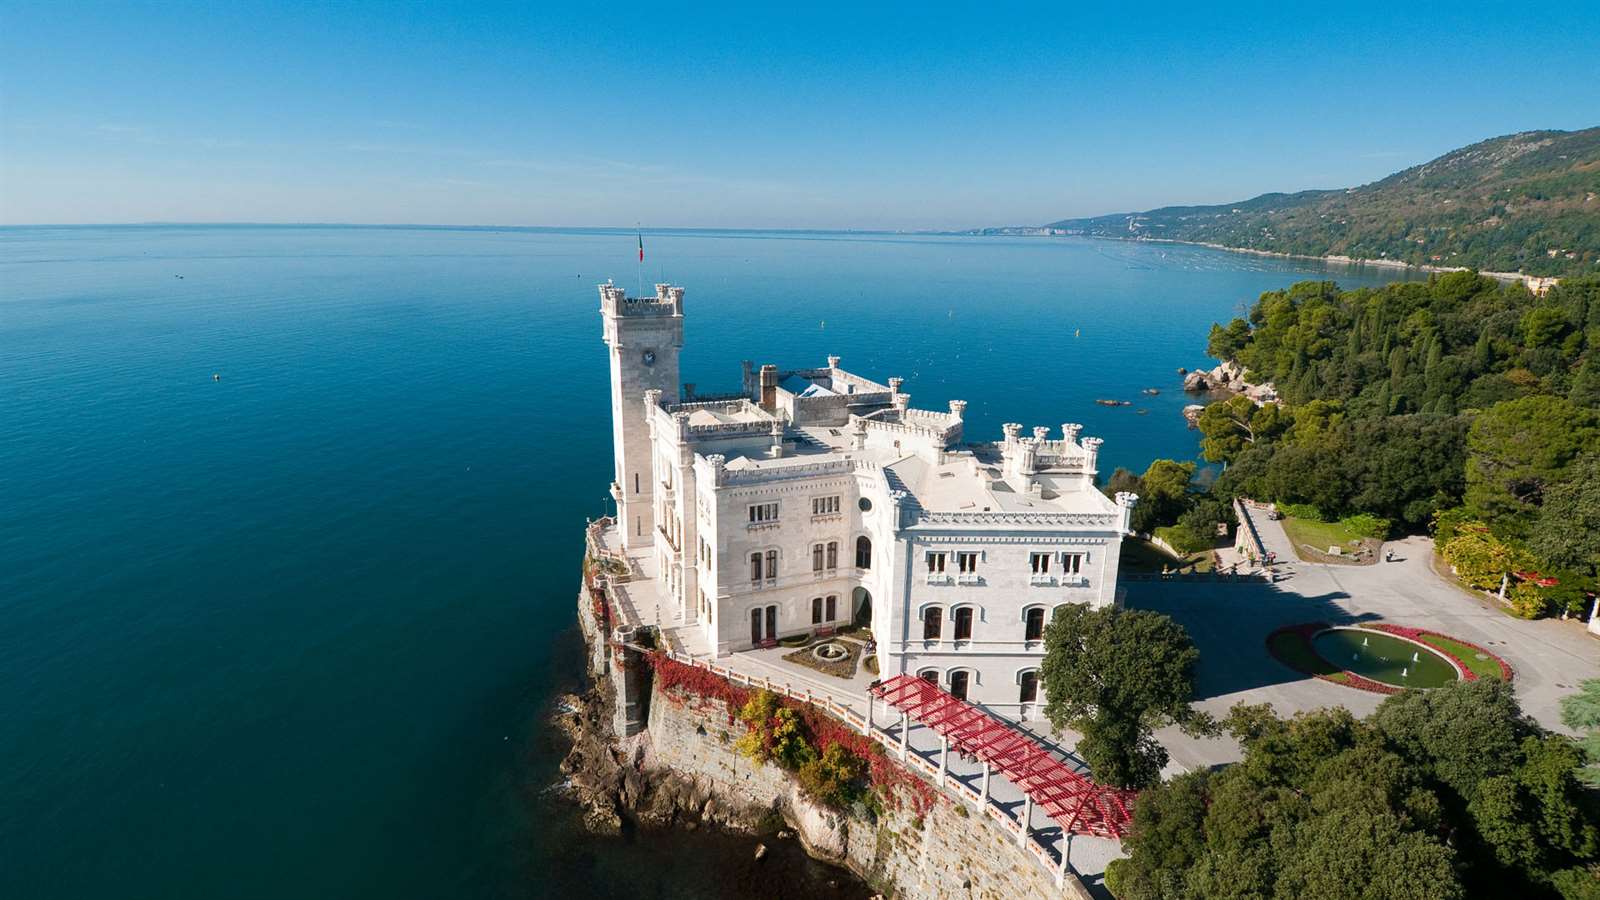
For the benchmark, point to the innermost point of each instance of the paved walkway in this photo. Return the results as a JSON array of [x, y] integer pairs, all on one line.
[[1230, 622]]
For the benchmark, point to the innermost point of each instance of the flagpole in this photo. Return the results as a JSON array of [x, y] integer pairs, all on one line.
[[641, 258]]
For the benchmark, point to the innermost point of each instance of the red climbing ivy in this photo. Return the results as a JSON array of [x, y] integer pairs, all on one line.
[[893, 782]]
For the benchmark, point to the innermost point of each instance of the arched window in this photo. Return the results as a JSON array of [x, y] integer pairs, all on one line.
[[833, 607], [1029, 692], [772, 564], [816, 557], [931, 676], [963, 619], [833, 554], [755, 567], [932, 623], [958, 683], [816, 610], [755, 625], [1033, 630], [863, 552]]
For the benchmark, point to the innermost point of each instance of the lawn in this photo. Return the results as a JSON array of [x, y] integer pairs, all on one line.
[[1483, 668], [1143, 556], [1321, 536]]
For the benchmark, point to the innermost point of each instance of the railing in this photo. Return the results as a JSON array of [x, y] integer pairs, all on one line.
[[1015, 518]]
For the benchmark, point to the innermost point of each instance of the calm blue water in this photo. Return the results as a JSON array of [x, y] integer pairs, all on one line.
[[294, 631]]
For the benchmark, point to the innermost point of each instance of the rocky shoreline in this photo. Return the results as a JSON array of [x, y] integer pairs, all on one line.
[[612, 782]]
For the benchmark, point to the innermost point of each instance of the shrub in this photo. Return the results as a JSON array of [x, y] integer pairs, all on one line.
[[1528, 601], [837, 778], [775, 733], [1366, 525], [1306, 511]]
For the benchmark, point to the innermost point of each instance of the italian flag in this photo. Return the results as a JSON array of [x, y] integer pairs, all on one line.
[[641, 248]]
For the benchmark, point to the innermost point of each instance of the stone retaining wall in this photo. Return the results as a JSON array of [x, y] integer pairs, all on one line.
[[949, 852]]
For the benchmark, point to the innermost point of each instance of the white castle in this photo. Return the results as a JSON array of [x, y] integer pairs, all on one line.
[[813, 499]]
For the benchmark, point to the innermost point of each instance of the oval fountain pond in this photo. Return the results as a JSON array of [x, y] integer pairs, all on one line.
[[1384, 657]]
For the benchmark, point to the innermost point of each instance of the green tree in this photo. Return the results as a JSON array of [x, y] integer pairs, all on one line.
[[1566, 534], [1447, 793], [1114, 676], [1581, 712], [1163, 494], [1515, 449], [1225, 428]]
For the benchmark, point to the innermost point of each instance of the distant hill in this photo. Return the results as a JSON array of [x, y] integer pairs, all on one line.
[[1526, 202]]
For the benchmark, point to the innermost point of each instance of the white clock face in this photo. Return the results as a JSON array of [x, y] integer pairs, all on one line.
[[649, 357]]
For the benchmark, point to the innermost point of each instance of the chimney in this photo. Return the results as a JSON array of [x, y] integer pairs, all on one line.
[[769, 388]]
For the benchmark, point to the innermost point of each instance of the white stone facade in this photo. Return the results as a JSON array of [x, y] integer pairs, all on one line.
[[814, 498]]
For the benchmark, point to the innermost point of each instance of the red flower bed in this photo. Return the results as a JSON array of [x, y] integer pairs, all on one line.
[[1416, 634]]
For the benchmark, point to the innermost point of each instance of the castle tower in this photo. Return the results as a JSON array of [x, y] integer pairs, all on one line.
[[645, 335]]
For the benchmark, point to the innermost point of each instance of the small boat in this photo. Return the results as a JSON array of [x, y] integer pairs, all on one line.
[[1115, 402], [1151, 391]]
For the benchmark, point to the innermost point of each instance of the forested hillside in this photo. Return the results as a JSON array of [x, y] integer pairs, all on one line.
[[1526, 202], [1460, 404]]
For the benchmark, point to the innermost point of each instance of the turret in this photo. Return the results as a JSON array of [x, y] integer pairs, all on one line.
[[1091, 456], [1126, 501], [1070, 431]]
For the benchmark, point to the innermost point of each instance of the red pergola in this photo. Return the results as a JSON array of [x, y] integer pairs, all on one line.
[[1077, 804]]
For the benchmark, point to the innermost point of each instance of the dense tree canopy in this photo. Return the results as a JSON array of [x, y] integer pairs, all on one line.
[[1415, 398], [1115, 675], [1447, 793]]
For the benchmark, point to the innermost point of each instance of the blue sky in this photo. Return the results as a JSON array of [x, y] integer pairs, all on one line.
[[753, 115]]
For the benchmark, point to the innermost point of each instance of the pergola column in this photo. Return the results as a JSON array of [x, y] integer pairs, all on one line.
[[986, 784], [1027, 820], [866, 729], [905, 734], [944, 753], [1066, 855]]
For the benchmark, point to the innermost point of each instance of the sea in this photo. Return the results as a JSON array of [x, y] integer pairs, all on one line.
[[291, 520]]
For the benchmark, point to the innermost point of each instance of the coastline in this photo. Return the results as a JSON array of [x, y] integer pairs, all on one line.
[[1536, 283]]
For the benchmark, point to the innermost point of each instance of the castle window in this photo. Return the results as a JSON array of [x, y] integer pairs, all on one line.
[[936, 562], [1039, 563], [833, 554], [966, 563], [833, 607], [816, 557], [816, 610], [863, 552], [1072, 563], [763, 512], [755, 567], [772, 564], [1030, 687], [1033, 627], [963, 618], [932, 624], [824, 506], [958, 683]]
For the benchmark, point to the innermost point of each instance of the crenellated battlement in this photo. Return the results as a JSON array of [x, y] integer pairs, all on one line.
[[614, 301]]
